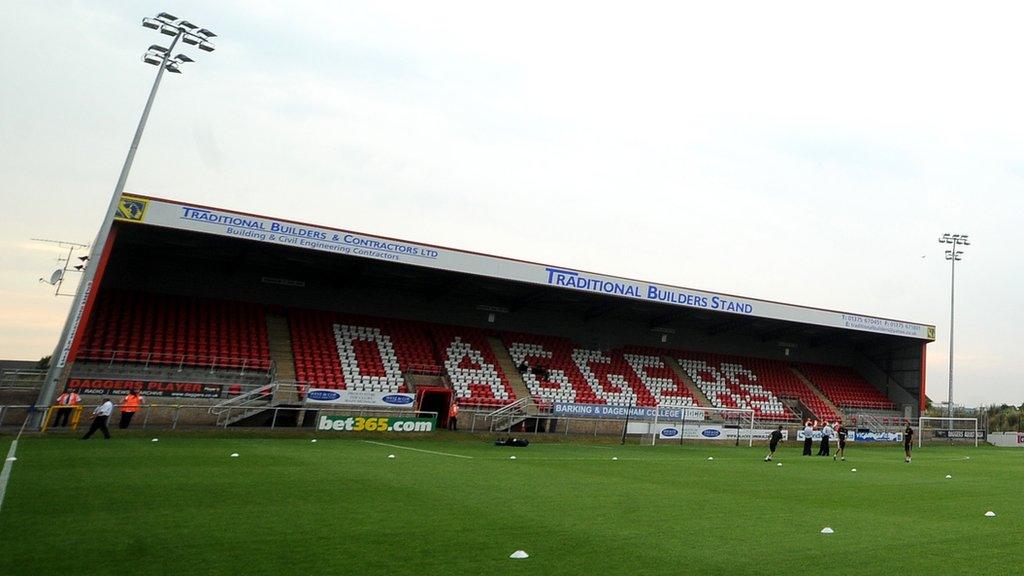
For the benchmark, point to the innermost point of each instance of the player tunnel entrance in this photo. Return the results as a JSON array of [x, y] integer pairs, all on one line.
[[435, 399]]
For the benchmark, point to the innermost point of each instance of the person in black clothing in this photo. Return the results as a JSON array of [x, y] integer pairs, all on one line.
[[808, 438], [773, 443], [908, 442], [826, 437], [841, 433]]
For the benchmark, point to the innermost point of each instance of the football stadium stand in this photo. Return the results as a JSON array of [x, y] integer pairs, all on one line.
[[335, 350], [361, 353], [222, 305], [845, 387], [159, 329], [560, 371], [737, 382]]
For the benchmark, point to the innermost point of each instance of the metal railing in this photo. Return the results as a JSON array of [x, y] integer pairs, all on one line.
[[242, 364], [198, 416], [507, 416], [20, 379]]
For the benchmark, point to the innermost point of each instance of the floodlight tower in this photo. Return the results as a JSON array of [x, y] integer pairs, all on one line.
[[159, 56], [953, 255]]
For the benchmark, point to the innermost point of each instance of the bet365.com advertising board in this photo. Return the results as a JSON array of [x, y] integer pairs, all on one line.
[[385, 424]]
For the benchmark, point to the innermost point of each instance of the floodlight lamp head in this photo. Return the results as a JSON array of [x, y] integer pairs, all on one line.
[[172, 66], [206, 46], [206, 33], [150, 23], [166, 17], [157, 48], [187, 24], [190, 40], [152, 59], [183, 58], [169, 30]]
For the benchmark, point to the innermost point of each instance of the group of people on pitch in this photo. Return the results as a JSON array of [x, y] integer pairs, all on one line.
[[130, 404], [827, 432]]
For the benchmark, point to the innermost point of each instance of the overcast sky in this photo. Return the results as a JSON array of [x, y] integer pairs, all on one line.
[[807, 152]]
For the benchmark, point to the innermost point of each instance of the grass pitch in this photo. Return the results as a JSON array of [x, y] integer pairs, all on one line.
[[457, 505]]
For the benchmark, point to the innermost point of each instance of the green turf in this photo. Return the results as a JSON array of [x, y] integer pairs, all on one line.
[[288, 506]]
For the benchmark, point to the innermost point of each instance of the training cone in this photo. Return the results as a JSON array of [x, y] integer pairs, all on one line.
[[853, 469], [519, 554], [827, 530], [234, 454], [313, 440], [948, 476], [711, 457], [511, 457], [391, 455], [155, 440], [779, 464], [615, 457], [990, 514]]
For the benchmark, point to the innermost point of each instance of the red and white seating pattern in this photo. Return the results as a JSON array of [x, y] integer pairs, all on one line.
[[336, 351], [580, 375], [472, 367], [663, 383], [368, 359], [730, 385], [773, 376], [332, 350], [556, 387], [359, 353]]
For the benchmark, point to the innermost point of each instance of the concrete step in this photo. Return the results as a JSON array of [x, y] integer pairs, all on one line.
[[702, 400], [279, 338], [515, 379], [818, 393]]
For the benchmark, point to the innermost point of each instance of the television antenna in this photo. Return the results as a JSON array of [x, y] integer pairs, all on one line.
[[56, 278]]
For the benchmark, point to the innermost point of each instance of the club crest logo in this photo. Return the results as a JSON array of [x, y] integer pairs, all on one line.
[[131, 209]]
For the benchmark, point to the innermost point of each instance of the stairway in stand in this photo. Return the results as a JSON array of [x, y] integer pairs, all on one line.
[[695, 391], [279, 338], [817, 392], [515, 379]]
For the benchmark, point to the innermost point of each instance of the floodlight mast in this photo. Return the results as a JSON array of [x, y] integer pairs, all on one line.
[[169, 25], [953, 255]]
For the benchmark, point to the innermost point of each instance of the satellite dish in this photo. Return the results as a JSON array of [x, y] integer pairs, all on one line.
[[55, 277]]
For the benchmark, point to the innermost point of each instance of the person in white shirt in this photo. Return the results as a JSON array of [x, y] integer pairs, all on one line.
[[808, 438], [826, 435], [99, 419]]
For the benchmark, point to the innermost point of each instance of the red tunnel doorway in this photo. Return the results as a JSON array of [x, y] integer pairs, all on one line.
[[435, 399]]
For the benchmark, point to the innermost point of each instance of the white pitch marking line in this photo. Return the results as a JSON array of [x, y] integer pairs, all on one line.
[[5, 476], [417, 449]]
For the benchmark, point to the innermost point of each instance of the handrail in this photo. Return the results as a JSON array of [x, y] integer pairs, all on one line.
[[509, 407], [262, 392], [244, 363]]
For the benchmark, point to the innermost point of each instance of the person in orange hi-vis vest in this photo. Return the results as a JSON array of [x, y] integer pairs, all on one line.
[[129, 406], [453, 416], [65, 401]]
